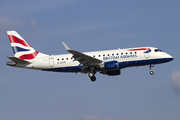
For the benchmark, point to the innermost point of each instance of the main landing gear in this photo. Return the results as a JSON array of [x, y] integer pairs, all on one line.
[[92, 75], [150, 67]]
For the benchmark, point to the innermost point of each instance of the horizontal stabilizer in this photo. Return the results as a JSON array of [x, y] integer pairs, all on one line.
[[18, 60]]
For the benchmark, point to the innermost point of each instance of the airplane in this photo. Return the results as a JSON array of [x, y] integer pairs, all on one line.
[[107, 62]]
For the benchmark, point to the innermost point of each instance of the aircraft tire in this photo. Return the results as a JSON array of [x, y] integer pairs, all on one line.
[[93, 78], [151, 72]]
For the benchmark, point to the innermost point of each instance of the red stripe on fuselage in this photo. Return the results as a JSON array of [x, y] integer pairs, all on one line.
[[29, 56], [139, 49], [14, 39]]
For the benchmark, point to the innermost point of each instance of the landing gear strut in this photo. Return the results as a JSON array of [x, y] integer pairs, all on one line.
[[91, 75], [150, 67]]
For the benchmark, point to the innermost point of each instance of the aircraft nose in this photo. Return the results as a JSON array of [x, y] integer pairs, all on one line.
[[169, 57]]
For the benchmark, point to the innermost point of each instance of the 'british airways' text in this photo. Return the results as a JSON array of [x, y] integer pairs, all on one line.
[[119, 57]]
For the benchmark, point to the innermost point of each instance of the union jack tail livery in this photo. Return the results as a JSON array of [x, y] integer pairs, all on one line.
[[20, 47]]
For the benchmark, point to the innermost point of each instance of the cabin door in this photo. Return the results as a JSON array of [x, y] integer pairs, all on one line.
[[146, 55], [51, 62]]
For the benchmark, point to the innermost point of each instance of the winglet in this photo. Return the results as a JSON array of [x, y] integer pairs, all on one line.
[[67, 48]]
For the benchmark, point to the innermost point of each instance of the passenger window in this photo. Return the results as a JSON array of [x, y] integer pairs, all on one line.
[[117, 54], [99, 55], [62, 58], [130, 52], [126, 53], [104, 55], [121, 53], [66, 58], [108, 55], [135, 52], [57, 59], [93, 55], [112, 54]]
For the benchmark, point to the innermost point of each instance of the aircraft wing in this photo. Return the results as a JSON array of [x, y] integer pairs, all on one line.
[[83, 59]]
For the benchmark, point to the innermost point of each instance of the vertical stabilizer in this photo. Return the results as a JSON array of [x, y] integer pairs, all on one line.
[[20, 47]]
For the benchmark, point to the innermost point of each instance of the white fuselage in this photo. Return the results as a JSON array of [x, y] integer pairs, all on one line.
[[125, 58]]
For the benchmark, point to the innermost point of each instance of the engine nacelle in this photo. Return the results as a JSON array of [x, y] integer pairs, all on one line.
[[111, 73], [112, 65]]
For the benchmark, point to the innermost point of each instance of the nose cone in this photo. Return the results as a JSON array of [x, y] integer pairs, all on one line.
[[169, 57]]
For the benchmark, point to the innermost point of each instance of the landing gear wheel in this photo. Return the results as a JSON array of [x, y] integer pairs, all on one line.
[[91, 74], [151, 72], [93, 78]]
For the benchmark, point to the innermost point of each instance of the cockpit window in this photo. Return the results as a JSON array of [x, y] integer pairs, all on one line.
[[158, 50]]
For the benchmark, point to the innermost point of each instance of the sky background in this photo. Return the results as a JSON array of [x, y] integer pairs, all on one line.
[[91, 25]]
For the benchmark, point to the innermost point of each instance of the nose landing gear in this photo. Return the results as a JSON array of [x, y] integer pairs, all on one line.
[[150, 67]]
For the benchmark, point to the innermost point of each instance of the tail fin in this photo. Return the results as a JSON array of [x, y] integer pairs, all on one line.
[[20, 47]]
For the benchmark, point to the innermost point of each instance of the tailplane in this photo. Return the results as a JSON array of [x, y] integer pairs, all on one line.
[[21, 48]]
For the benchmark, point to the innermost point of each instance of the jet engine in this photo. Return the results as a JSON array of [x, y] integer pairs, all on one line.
[[111, 73], [112, 65]]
